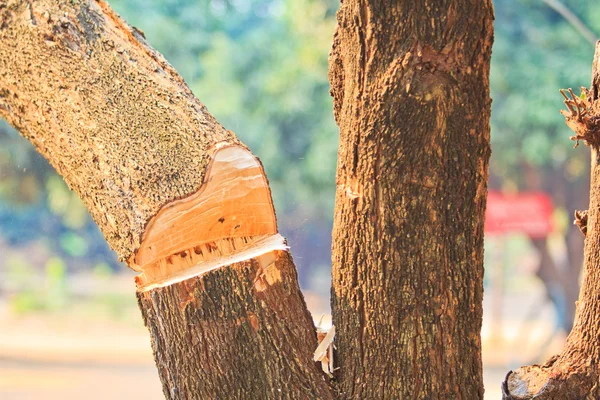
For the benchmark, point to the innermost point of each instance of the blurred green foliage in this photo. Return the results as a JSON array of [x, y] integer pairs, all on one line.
[[536, 52], [260, 66]]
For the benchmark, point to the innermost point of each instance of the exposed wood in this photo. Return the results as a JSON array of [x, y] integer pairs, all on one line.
[[581, 220], [231, 212], [176, 195], [574, 373], [324, 352], [410, 86]]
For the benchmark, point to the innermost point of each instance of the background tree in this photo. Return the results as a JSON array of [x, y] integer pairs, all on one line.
[[412, 101], [574, 373]]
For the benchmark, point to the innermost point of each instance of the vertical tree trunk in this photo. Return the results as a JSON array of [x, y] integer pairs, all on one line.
[[176, 195], [574, 374], [410, 85]]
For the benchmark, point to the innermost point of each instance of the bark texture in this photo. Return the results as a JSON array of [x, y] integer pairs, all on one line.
[[108, 111], [238, 332], [126, 133], [410, 82], [575, 373]]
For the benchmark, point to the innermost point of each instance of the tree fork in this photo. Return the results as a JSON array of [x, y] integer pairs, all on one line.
[[574, 374], [176, 195]]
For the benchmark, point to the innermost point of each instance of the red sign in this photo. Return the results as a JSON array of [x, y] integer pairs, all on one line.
[[529, 213]]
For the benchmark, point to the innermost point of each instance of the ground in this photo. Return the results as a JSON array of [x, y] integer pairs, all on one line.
[[92, 354]]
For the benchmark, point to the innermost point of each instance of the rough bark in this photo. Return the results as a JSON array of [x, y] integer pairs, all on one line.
[[574, 374], [561, 277], [126, 133], [248, 343], [410, 86]]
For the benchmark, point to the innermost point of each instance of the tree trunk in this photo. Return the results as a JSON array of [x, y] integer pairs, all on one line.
[[574, 373], [176, 195], [236, 333], [410, 82]]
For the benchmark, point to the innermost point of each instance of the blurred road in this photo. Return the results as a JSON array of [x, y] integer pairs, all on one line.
[[72, 357], [50, 380]]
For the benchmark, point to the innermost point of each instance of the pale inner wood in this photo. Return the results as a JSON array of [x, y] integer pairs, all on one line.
[[232, 211], [265, 251]]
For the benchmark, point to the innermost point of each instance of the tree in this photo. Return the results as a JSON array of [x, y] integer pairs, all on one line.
[[188, 206], [574, 374], [411, 191], [535, 49], [116, 120]]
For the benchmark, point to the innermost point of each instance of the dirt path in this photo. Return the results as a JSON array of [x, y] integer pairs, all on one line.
[[29, 380]]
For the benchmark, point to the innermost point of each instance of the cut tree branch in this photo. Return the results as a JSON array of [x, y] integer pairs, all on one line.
[[176, 195], [574, 373]]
